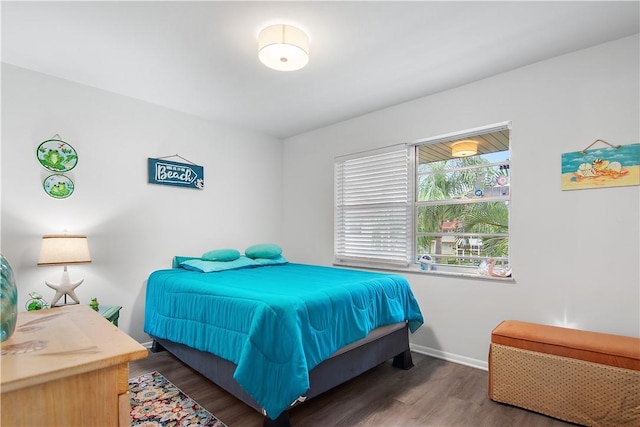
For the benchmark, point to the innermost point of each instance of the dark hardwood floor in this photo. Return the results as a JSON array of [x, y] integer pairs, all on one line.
[[433, 393]]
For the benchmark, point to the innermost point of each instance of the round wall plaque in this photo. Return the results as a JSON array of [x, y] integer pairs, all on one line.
[[58, 186], [57, 155]]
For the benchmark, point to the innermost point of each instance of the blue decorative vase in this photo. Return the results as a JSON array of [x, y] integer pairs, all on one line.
[[9, 297]]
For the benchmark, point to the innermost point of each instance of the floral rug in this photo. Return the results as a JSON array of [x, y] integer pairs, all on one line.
[[156, 401]]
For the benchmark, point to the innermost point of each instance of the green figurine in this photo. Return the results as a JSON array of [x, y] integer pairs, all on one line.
[[94, 304], [36, 302]]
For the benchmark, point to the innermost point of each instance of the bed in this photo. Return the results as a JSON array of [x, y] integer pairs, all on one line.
[[275, 333]]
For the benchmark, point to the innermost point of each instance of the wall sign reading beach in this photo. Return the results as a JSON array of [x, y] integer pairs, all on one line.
[[613, 166], [166, 172]]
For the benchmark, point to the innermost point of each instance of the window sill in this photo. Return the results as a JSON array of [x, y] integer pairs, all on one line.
[[459, 274], [441, 271]]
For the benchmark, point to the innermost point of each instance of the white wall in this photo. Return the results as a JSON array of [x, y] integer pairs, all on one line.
[[576, 254], [133, 227]]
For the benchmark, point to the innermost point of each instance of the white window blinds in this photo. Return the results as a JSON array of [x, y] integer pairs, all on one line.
[[373, 213]]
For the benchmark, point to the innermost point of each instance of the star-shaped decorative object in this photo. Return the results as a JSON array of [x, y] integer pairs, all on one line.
[[64, 288]]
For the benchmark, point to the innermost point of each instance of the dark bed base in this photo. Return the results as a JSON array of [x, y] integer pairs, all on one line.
[[328, 374]]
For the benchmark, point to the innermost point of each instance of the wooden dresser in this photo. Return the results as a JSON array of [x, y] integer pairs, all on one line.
[[66, 366]]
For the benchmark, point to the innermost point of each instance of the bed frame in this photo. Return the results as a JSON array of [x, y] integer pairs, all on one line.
[[341, 367]]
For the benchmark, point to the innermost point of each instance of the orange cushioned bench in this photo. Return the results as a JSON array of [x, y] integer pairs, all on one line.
[[587, 378]]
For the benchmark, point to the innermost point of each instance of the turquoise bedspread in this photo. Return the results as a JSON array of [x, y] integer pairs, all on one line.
[[276, 323]]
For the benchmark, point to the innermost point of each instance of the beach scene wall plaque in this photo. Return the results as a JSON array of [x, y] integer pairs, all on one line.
[[613, 166]]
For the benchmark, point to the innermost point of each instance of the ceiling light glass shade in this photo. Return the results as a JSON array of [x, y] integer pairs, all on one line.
[[283, 47], [64, 249], [465, 148]]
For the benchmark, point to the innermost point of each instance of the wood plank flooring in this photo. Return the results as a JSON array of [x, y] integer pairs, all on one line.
[[434, 393]]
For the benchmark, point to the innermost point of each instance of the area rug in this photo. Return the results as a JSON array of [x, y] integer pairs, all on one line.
[[156, 401]]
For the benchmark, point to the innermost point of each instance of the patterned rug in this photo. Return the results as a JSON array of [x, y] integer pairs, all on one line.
[[156, 401]]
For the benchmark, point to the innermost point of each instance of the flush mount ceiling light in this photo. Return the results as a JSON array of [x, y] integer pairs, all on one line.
[[283, 47], [465, 148]]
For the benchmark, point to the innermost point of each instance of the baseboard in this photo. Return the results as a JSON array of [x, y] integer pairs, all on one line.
[[450, 357], [147, 344]]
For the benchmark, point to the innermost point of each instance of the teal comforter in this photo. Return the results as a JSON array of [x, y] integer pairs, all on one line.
[[276, 323]]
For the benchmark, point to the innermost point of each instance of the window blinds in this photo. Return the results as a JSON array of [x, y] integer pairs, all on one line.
[[373, 214]]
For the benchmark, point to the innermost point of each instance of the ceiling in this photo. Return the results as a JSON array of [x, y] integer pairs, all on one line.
[[201, 57]]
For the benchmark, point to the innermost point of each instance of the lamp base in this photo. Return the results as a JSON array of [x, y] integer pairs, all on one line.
[[64, 288], [65, 302]]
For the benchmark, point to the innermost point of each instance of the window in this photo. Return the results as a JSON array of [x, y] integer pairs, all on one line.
[[396, 205], [462, 198]]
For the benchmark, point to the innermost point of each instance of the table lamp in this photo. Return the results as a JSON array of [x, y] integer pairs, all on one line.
[[64, 249]]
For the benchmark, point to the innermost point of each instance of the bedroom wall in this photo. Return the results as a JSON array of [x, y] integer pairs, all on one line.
[[133, 227], [575, 253]]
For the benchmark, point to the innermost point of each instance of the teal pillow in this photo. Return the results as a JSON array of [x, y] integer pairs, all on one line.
[[178, 259], [263, 250], [279, 260], [215, 266], [221, 255]]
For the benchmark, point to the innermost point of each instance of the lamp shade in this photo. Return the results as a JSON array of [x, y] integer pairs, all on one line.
[[64, 249], [465, 148], [283, 47]]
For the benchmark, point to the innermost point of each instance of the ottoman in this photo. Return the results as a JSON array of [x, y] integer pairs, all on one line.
[[583, 377]]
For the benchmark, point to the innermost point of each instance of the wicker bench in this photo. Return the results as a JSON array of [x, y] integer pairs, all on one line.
[[583, 377]]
